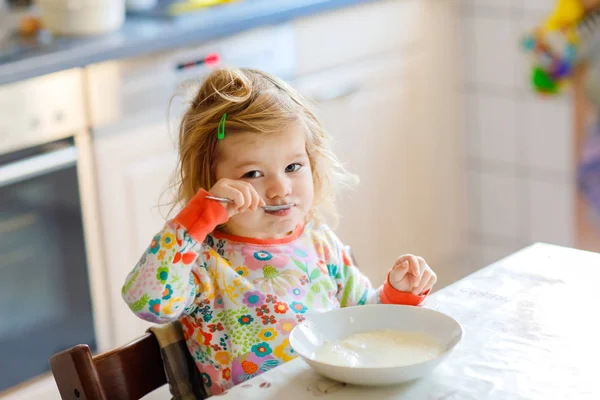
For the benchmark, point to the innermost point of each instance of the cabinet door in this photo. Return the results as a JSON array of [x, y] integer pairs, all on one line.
[[357, 33], [377, 115], [135, 166], [366, 109]]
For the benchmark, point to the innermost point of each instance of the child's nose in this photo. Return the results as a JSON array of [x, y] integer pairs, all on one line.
[[278, 187]]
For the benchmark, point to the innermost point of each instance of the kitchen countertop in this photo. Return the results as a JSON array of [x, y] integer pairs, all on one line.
[[141, 36]]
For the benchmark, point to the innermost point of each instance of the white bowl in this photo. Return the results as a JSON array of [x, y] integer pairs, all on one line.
[[82, 17], [318, 329]]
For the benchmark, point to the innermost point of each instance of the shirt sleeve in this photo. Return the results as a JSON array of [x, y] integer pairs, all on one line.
[[171, 273], [354, 288]]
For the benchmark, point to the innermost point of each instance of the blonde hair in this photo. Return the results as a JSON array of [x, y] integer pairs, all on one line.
[[255, 102]]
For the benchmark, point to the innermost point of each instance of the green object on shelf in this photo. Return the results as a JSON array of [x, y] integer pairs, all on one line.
[[544, 82]]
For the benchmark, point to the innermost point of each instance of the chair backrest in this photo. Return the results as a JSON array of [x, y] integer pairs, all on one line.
[[127, 373]]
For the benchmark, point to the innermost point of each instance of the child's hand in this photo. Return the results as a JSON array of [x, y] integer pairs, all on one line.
[[242, 193], [412, 274]]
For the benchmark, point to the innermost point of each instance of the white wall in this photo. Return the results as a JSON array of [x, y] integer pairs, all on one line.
[[518, 193]]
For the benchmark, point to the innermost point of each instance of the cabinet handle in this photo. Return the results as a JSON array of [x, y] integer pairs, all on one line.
[[43, 164], [336, 93]]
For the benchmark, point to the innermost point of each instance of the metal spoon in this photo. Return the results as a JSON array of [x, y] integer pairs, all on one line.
[[266, 208]]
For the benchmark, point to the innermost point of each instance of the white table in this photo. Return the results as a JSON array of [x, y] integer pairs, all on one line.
[[532, 331]]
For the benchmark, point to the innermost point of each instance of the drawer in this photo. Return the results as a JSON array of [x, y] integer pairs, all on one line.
[[145, 85], [41, 109], [354, 33]]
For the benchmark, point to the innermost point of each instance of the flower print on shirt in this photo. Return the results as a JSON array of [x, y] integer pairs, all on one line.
[[226, 374], [210, 376], [262, 310], [245, 319], [285, 326], [219, 304], [215, 327], [297, 293], [256, 260], [298, 307], [262, 349], [284, 351], [155, 245], [168, 240], [280, 308], [154, 306], [253, 298], [251, 365], [185, 258], [206, 312], [223, 357], [173, 305], [274, 281], [162, 274], [267, 334], [268, 319], [168, 292], [241, 270], [271, 299]]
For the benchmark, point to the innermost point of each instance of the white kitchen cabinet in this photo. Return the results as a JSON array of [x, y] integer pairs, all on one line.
[[360, 32], [381, 132], [393, 114], [367, 110], [135, 167]]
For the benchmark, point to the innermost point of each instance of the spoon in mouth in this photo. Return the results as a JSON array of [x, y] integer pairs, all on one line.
[[266, 208]]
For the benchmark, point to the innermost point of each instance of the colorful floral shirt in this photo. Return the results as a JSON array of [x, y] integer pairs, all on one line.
[[238, 298]]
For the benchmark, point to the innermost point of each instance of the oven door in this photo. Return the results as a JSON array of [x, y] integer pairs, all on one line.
[[45, 302]]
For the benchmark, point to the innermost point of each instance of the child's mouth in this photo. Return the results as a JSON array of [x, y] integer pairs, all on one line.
[[280, 211]]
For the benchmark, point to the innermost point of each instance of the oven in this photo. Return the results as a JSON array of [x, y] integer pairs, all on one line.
[[48, 265]]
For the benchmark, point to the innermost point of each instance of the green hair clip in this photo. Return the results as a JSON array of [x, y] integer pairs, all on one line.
[[221, 130]]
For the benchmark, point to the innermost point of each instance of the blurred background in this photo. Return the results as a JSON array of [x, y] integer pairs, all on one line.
[[428, 101]]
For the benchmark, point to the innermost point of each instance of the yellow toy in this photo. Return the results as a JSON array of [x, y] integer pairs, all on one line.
[[566, 15], [553, 47]]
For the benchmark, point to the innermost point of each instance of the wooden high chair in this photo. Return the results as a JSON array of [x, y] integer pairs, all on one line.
[[126, 373]]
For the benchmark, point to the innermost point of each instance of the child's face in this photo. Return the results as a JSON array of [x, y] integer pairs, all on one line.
[[278, 167]]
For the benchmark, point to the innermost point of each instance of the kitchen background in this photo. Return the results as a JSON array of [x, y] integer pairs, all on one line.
[[519, 146], [428, 94]]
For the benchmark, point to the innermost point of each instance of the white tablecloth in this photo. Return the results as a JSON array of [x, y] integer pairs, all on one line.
[[532, 331]]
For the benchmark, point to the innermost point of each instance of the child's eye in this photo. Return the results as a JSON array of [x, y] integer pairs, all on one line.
[[293, 167], [252, 174]]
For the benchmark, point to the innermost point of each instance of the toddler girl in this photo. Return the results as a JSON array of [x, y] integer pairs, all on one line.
[[239, 277]]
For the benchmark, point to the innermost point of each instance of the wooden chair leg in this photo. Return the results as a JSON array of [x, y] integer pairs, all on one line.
[[76, 375]]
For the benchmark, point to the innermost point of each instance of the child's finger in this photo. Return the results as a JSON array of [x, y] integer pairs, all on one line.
[[424, 281], [247, 198], [413, 264], [237, 196], [432, 281], [398, 272], [400, 263], [255, 199], [415, 270], [246, 190], [261, 201], [423, 267]]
